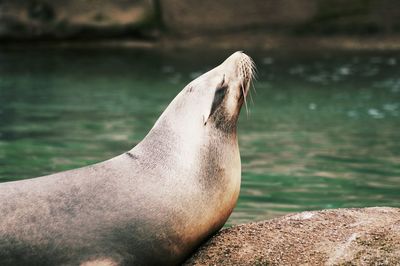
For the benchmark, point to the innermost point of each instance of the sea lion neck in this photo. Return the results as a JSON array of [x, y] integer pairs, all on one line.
[[169, 142]]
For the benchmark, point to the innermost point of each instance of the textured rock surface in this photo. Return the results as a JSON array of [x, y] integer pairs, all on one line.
[[287, 16], [369, 236], [193, 16], [27, 19], [86, 19]]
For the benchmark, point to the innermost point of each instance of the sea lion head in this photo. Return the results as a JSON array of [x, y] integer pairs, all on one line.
[[210, 103], [215, 98], [229, 85]]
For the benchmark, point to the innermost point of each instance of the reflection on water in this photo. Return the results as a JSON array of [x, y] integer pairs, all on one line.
[[323, 131]]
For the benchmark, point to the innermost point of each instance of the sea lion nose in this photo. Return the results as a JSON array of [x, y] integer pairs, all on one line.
[[238, 54], [236, 57], [238, 65]]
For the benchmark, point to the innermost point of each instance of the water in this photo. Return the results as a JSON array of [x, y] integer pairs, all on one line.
[[323, 131]]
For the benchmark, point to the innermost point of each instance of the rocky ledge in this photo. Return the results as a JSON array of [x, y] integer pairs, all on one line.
[[368, 236]]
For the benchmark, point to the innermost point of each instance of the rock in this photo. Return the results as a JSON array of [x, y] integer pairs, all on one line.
[[179, 20], [289, 17], [190, 16], [42, 19], [369, 236]]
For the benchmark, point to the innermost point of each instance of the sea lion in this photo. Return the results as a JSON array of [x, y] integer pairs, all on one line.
[[152, 205]]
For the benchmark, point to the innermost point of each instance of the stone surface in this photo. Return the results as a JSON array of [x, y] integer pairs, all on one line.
[[288, 16], [260, 41], [95, 19], [30, 19], [369, 236], [193, 16]]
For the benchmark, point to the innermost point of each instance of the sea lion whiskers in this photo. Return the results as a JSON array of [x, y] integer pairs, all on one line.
[[247, 72], [253, 78], [244, 98]]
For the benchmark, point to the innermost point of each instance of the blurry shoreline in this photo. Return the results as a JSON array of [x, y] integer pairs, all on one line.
[[243, 41], [170, 24]]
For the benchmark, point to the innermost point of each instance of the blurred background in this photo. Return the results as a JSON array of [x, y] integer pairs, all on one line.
[[254, 24], [84, 80]]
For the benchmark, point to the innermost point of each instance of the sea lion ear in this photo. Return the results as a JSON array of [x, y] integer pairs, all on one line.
[[206, 115]]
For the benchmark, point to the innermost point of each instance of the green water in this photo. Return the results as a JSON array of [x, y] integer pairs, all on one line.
[[323, 131]]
